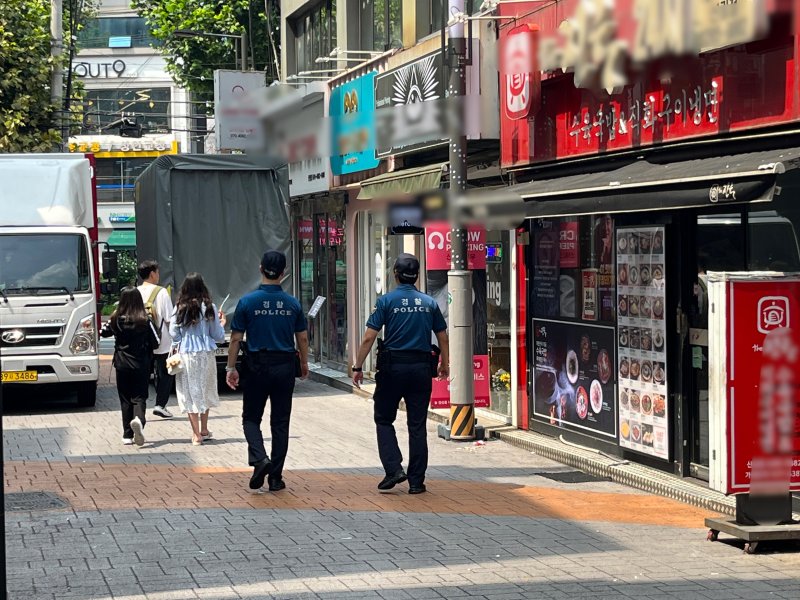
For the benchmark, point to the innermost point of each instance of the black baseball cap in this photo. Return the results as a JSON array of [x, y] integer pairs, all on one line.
[[407, 266], [273, 263]]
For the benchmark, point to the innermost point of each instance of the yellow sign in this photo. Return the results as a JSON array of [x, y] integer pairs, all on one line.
[[134, 148]]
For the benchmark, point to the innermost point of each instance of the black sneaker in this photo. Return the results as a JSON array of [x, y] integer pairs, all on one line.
[[417, 489], [276, 485], [260, 471], [392, 480]]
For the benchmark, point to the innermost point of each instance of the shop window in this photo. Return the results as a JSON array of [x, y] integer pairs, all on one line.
[[116, 32], [116, 178], [574, 269], [103, 108], [498, 319]]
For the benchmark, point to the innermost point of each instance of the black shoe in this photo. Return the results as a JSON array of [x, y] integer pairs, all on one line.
[[417, 489], [260, 470], [276, 485], [392, 480]]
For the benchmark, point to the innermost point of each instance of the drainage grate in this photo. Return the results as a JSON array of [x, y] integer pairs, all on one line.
[[573, 477], [30, 501]]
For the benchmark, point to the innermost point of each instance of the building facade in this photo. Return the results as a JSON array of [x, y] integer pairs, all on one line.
[[123, 75]]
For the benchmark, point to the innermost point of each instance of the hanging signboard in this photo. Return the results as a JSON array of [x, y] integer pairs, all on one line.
[[754, 353], [642, 348]]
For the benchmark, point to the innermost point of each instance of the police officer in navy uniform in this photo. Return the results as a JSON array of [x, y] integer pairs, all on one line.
[[274, 322], [404, 371]]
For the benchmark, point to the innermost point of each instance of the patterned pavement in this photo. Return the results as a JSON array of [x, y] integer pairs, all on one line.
[[173, 521]]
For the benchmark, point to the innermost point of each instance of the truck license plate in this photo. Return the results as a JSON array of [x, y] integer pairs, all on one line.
[[14, 376]]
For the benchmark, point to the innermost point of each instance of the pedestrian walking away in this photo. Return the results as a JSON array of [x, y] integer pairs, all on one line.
[[135, 337], [277, 353], [158, 305], [407, 362], [196, 327]]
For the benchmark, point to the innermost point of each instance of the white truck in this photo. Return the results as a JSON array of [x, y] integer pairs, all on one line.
[[49, 273]]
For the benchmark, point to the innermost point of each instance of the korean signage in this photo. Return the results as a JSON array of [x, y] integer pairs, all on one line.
[[573, 376], [642, 348], [352, 113], [438, 247], [595, 106], [141, 146], [756, 434]]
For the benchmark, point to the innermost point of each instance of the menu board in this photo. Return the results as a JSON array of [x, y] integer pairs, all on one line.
[[573, 372], [642, 347]]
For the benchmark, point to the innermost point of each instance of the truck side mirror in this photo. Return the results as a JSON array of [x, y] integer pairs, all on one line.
[[110, 264], [109, 288]]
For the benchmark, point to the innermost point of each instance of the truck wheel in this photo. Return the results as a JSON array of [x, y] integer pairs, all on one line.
[[87, 394]]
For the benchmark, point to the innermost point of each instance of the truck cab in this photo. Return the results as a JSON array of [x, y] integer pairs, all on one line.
[[49, 274]]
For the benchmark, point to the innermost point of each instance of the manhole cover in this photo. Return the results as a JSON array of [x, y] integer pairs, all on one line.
[[573, 477], [29, 501]]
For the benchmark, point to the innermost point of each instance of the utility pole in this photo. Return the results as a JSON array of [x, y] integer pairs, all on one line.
[[459, 279], [56, 49]]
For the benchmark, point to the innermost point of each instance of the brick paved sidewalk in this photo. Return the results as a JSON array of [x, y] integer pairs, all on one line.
[[174, 521]]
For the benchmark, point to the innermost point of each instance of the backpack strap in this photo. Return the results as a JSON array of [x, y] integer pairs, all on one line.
[[151, 301]]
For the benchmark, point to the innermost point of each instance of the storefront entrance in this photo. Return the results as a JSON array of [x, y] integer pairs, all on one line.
[[321, 265]]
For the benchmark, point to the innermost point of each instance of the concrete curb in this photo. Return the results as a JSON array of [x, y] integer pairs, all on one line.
[[616, 469]]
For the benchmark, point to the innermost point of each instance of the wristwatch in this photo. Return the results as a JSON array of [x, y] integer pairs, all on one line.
[[230, 369], [356, 369]]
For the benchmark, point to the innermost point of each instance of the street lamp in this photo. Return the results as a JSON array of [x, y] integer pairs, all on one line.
[[240, 42]]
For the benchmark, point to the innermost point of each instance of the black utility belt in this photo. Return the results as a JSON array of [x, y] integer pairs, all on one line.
[[408, 356]]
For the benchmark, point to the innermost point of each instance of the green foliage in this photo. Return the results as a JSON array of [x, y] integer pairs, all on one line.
[[192, 61], [127, 268], [26, 113], [28, 119]]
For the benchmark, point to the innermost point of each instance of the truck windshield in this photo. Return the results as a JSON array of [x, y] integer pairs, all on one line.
[[44, 264]]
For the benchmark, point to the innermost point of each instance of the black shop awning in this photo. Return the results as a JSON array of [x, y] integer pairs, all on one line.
[[642, 185]]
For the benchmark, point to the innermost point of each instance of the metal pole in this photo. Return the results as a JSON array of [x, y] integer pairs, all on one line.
[[243, 46], [56, 49], [459, 279]]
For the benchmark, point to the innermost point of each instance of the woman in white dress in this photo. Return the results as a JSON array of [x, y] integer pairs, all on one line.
[[196, 327]]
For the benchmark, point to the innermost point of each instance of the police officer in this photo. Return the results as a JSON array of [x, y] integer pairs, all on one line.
[[274, 322], [405, 371]]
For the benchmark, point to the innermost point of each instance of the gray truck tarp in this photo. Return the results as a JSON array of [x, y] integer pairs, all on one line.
[[214, 214]]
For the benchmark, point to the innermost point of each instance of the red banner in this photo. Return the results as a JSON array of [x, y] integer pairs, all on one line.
[[438, 247], [763, 417], [440, 398]]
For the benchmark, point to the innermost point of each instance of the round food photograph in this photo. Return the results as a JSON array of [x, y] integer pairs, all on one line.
[[647, 404], [623, 306], [625, 429], [622, 276], [603, 366], [624, 368], [596, 397], [572, 367], [647, 370], [633, 275], [635, 401], [623, 398], [582, 403], [636, 432]]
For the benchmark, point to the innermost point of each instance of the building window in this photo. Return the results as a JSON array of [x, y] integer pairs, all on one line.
[[116, 178], [314, 35], [102, 108], [116, 32], [381, 24]]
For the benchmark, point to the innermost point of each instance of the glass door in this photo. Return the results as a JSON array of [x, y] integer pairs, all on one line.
[[719, 242]]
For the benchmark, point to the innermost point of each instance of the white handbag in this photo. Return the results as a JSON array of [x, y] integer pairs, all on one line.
[[175, 364]]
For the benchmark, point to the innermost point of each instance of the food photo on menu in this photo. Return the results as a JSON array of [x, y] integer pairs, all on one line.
[[574, 376]]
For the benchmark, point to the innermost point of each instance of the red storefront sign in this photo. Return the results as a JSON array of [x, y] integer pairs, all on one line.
[[763, 412], [440, 397], [520, 79], [596, 106], [438, 247]]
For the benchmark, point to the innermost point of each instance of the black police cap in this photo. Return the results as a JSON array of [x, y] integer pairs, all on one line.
[[407, 264], [273, 263]]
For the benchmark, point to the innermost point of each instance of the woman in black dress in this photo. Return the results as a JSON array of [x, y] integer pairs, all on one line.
[[135, 338]]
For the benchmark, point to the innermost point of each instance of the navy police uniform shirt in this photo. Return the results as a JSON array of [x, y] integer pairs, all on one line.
[[270, 317], [408, 317]]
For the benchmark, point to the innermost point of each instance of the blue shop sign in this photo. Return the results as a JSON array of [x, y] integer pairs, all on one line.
[[352, 114]]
